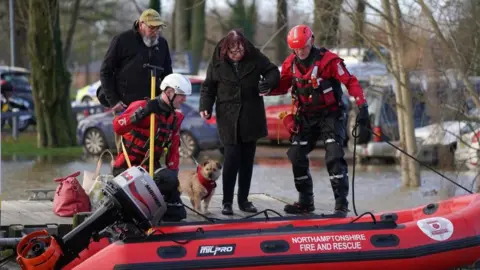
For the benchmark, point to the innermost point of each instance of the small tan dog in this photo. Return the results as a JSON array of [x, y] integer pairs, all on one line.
[[200, 185]]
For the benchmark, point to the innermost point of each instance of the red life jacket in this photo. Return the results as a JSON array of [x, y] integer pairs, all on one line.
[[137, 143], [311, 92], [206, 183]]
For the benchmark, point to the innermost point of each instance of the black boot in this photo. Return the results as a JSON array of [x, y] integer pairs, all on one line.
[[175, 212], [175, 209], [247, 207], [340, 192], [304, 205], [341, 212], [227, 209]]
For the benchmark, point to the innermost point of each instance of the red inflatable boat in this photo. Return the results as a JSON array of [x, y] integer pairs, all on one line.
[[442, 235]]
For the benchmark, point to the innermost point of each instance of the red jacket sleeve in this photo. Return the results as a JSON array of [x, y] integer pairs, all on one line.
[[286, 77], [172, 159], [336, 69], [122, 123]]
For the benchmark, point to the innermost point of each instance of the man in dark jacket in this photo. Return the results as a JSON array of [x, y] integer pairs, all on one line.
[[232, 82], [123, 77]]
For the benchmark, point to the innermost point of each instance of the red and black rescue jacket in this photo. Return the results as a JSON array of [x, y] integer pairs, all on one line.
[[135, 136], [317, 87]]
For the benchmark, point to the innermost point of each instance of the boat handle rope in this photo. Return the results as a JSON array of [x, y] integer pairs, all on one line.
[[264, 212], [214, 220], [363, 214], [184, 242], [209, 219]]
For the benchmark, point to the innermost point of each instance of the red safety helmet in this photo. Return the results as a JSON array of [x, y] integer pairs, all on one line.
[[299, 36]]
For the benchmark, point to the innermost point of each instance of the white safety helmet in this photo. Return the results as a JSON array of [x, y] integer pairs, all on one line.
[[180, 83]]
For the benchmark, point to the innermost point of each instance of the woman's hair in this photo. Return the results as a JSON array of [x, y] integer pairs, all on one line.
[[233, 37]]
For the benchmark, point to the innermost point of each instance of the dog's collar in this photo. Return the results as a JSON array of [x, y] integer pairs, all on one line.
[[206, 183]]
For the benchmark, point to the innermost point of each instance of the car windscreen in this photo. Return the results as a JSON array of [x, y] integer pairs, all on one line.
[[196, 88], [17, 79], [389, 109]]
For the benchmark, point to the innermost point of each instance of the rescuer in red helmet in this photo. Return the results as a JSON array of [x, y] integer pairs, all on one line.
[[315, 75]]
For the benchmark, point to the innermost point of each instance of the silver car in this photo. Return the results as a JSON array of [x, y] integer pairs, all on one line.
[[96, 134]]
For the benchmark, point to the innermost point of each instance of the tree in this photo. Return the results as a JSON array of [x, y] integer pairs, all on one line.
[[359, 22], [181, 25], [393, 22], [454, 55], [21, 22], [281, 50], [156, 5], [325, 24], [390, 33], [243, 17], [49, 76], [198, 33]]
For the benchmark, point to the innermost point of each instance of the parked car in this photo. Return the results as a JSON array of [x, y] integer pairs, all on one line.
[[439, 140], [18, 77], [21, 98], [467, 152], [383, 119], [96, 134], [274, 105], [88, 93]]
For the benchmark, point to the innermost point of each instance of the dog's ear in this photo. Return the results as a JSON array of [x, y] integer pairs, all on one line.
[[219, 166], [205, 163]]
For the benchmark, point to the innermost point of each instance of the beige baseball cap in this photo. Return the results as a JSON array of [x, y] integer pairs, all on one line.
[[152, 18]]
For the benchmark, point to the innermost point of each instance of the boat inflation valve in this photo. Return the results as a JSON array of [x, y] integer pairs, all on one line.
[[430, 208]]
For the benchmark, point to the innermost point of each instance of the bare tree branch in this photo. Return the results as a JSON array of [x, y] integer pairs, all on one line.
[[272, 37], [454, 57], [71, 30], [220, 20], [138, 7], [197, 4]]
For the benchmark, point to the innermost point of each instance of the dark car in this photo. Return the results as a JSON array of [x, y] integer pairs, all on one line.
[[96, 134], [21, 97]]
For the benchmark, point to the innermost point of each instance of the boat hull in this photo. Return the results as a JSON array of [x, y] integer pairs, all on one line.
[[437, 236]]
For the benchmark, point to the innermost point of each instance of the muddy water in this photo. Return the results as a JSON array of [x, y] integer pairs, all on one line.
[[377, 187]]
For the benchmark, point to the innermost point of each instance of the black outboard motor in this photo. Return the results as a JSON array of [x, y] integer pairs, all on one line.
[[131, 198]]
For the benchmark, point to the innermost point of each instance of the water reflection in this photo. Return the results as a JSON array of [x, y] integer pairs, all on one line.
[[377, 187]]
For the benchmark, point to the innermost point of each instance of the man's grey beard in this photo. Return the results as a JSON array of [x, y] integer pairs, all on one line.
[[150, 41]]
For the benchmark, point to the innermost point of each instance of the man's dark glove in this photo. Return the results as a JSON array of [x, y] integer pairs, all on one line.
[[263, 87], [363, 117], [156, 105], [363, 132]]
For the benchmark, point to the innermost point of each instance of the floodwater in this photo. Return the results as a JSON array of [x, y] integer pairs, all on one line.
[[377, 187]]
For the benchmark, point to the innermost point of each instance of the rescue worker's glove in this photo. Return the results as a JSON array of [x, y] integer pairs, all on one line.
[[363, 132], [156, 105], [264, 88], [363, 117]]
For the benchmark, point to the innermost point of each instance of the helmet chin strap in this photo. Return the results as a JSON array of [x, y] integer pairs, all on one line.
[[170, 100]]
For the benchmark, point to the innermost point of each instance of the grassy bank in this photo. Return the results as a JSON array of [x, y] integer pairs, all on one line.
[[26, 144]]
